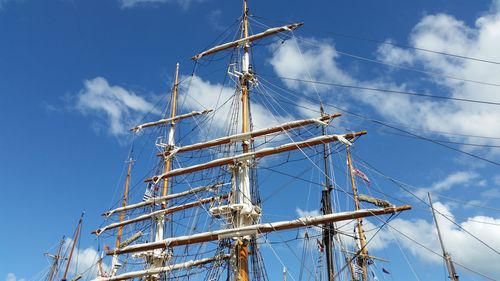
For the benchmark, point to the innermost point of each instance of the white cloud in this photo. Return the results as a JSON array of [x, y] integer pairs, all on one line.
[[84, 261], [134, 3], [310, 59], [457, 178], [490, 194], [13, 277], [201, 92], [460, 178], [3, 3], [496, 179], [313, 231], [444, 33], [214, 19], [119, 108], [482, 183], [304, 213], [464, 248]]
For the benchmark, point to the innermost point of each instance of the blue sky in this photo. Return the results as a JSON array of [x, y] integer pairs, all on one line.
[[75, 74]]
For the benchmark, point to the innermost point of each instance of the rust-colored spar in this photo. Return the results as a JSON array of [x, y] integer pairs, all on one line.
[[124, 202], [253, 134], [245, 40], [75, 240], [258, 228], [160, 212], [256, 154]]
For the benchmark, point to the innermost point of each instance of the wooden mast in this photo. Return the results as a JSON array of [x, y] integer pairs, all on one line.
[[56, 257], [124, 203], [362, 258], [326, 206], [242, 247], [446, 256], [168, 165], [75, 238], [115, 265], [159, 257]]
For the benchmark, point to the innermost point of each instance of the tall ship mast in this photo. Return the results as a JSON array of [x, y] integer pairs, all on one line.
[[201, 216]]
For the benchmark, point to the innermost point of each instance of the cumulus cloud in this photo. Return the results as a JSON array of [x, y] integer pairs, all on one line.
[[463, 247], [310, 231], [496, 180], [201, 93], [214, 19], [117, 108], [453, 180], [134, 3], [492, 193], [457, 178], [308, 59], [13, 277], [84, 262], [318, 60], [445, 33], [3, 3]]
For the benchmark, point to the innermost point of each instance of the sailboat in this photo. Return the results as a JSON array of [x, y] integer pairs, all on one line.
[[201, 216]]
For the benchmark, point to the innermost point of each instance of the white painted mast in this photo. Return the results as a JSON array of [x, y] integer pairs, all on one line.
[[159, 257]]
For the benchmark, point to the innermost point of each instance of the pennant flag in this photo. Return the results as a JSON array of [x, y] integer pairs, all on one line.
[[361, 175], [385, 271]]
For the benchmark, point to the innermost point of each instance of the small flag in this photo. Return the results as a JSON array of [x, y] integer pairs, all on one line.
[[358, 269], [361, 175], [321, 247], [150, 192], [385, 271]]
